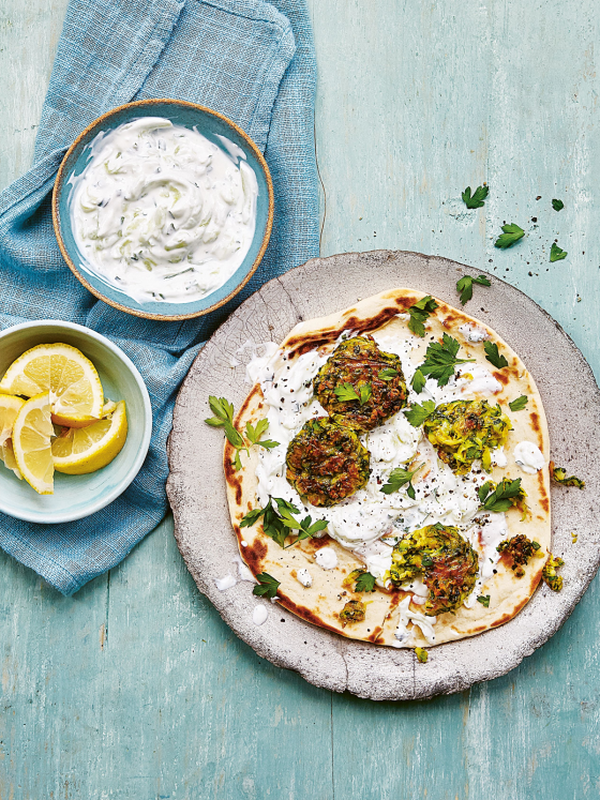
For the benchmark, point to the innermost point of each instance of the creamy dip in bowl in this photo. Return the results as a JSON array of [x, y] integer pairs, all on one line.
[[163, 209]]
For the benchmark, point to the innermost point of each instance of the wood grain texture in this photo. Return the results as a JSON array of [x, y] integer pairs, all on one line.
[[134, 687]]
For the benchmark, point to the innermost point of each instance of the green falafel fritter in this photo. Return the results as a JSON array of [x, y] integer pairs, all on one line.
[[360, 385], [445, 562], [464, 430], [326, 462]]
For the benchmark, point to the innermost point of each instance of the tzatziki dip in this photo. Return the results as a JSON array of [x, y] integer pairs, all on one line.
[[161, 212]]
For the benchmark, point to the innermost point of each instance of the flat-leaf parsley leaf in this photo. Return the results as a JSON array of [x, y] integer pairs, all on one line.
[[347, 392], [417, 414], [465, 286], [279, 522], [418, 381], [476, 200], [519, 403], [223, 411], [365, 582], [267, 585], [501, 497], [493, 356], [556, 254], [419, 312], [387, 373], [512, 234], [440, 360], [557, 205], [401, 477]]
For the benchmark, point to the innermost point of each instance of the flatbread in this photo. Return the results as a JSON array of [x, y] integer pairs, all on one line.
[[388, 611]]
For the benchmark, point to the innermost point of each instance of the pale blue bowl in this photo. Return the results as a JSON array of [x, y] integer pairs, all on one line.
[[210, 124], [77, 496]]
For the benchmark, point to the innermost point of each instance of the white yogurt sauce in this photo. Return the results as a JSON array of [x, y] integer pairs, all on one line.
[[161, 212], [260, 615], [474, 333], [529, 457], [225, 582], [326, 558], [304, 577], [402, 634]]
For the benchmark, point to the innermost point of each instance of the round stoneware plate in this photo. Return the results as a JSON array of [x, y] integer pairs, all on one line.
[[196, 485]]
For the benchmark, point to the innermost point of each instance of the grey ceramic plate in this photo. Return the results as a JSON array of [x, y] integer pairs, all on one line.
[[197, 492]]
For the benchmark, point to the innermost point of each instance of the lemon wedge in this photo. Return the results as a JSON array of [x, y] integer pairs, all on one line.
[[9, 408], [78, 451], [71, 379], [31, 435]]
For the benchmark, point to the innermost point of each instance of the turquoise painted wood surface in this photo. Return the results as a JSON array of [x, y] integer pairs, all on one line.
[[134, 688]]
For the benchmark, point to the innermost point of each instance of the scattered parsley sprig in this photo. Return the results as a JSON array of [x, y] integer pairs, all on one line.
[[556, 254], [401, 477], [223, 418], [475, 200], [493, 356], [519, 403], [387, 373], [347, 392], [417, 414], [500, 498], [465, 286], [267, 585], [511, 235], [419, 312], [279, 522], [557, 205], [440, 362]]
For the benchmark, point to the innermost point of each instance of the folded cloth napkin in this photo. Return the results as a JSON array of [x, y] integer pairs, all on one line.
[[254, 62]]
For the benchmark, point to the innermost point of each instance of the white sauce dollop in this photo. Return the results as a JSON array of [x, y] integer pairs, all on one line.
[[161, 212], [225, 583], [423, 622], [499, 457], [326, 558], [529, 457], [260, 615], [474, 333], [304, 577]]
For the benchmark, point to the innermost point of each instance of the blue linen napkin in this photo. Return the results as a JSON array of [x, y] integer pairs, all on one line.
[[254, 62]]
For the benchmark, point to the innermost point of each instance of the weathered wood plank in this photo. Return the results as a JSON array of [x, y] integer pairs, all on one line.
[[135, 687]]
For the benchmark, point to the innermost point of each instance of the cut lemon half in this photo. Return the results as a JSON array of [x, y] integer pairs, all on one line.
[[70, 378], [78, 451], [9, 408], [32, 432]]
